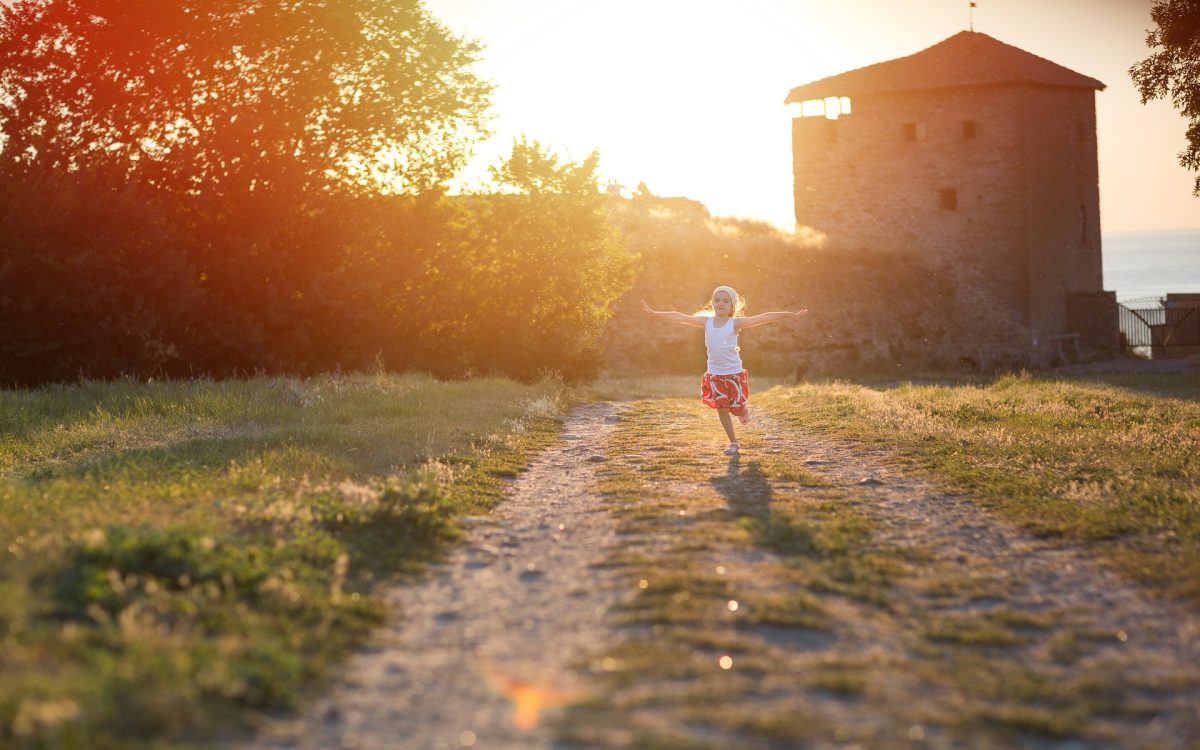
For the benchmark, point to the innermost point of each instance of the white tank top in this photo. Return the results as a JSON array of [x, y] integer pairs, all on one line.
[[723, 357]]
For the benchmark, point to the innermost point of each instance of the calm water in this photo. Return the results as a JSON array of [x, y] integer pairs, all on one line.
[[1150, 264]]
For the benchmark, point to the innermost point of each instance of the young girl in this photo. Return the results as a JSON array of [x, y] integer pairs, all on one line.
[[726, 385]]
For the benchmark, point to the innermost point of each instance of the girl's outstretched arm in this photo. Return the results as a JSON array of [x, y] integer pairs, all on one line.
[[757, 320], [678, 317]]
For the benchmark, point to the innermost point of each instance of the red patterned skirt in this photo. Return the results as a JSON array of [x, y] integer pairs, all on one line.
[[726, 391]]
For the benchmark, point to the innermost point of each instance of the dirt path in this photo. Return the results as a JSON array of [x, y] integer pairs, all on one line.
[[494, 636], [500, 634]]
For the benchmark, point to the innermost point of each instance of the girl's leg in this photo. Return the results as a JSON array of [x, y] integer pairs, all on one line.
[[727, 423]]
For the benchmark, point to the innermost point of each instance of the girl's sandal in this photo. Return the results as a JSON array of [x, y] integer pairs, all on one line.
[[732, 450]]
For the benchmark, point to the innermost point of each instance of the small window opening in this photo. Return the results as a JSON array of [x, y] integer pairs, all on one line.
[[948, 199], [831, 107], [969, 129], [914, 131]]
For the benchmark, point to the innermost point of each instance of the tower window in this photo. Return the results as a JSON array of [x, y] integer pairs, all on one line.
[[948, 199], [969, 129]]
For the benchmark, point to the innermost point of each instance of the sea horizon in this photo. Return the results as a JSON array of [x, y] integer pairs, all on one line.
[[1151, 263]]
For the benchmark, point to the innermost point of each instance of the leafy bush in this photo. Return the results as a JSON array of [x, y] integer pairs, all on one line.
[[95, 279]]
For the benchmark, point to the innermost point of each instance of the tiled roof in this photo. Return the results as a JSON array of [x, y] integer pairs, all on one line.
[[966, 59]]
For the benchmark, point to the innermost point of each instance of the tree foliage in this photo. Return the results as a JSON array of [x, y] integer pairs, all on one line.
[[230, 96], [1173, 70], [539, 266], [229, 186]]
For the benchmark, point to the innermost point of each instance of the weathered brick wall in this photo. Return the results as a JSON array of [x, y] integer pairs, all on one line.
[[1090, 314], [1062, 201]]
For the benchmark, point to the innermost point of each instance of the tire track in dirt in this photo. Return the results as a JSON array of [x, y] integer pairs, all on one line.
[[495, 635]]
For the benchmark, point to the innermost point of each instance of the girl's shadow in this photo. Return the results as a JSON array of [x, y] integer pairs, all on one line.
[[747, 491]]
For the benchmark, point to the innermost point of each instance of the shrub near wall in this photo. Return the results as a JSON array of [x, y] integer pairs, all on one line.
[[869, 311]]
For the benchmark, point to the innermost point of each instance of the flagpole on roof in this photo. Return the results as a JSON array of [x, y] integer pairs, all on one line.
[[971, 16]]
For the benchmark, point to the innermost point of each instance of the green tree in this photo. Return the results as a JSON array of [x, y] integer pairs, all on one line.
[[526, 278], [1174, 69], [229, 96]]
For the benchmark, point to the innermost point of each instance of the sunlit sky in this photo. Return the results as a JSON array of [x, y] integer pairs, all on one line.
[[687, 95]]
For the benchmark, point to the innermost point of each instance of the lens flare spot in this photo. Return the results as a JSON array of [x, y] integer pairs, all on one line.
[[643, 584], [725, 662], [1122, 636], [467, 739], [529, 698], [732, 605], [720, 570], [916, 732]]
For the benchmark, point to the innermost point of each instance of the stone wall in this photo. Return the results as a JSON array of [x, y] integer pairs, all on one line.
[[870, 311], [1088, 314]]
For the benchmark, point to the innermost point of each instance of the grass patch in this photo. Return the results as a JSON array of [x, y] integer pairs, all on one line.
[[847, 678], [175, 554], [970, 630], [1108, 461]]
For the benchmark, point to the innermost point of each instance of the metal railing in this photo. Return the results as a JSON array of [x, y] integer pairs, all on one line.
[[1158, 324]]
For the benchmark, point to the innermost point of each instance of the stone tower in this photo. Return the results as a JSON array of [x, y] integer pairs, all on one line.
[[983, 157]]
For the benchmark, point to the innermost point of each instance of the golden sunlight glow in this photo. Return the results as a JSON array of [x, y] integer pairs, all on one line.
[[687, 95]]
